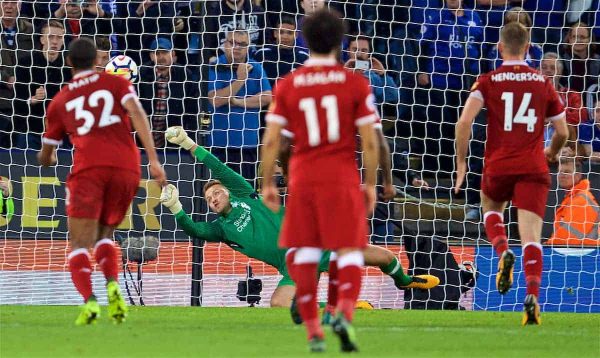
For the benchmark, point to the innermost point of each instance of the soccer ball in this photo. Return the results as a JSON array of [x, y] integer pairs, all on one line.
[[123, 66]]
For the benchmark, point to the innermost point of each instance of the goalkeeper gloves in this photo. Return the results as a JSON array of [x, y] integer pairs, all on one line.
[[177, 135], [169, 197]]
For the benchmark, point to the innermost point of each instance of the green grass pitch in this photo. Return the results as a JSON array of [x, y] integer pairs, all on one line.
[[48, 331]]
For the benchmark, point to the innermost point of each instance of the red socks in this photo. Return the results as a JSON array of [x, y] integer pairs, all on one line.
[[302, 265], [106, 256], [332, 287], [305, 276], [532, 264], [495, 231], [81, 272], [349, 281]]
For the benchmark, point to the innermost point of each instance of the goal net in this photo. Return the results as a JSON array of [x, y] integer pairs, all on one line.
[[421, 58]]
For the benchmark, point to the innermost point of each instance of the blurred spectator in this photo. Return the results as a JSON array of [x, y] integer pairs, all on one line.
[[576, 9], [589, 135], [145, 21], [308, 7], [552, 68], [103, 52], [451, 48], [83, 17], [361, 60], [548, 20], [283, 56], [228, 15], [493, 17], [582, 65], [238, 89], [38, 78], [276, 10], [166, 92], [535, 53], [17, 40], [577, 219]]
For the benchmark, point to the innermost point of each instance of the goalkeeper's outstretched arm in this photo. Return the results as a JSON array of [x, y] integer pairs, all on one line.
[[169, 197], [235, 183]]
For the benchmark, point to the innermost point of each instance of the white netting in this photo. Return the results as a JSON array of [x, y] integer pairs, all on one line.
[[421, 58]]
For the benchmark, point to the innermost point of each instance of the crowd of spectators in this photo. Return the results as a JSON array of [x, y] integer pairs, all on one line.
[[223, 57]]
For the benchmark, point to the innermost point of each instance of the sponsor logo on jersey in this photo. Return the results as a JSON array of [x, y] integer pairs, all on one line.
[[241, 222]]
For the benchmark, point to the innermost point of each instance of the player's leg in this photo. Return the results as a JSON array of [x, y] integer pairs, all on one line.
[[531, 194], [530, 231], [495, 193], [105, 253], [349, 264], [107, 258], [82, 235], [83, 204], [332, 289], [493, 218], [119, 192], [283, 294], [287, 280], [304, 272], [389, 264]]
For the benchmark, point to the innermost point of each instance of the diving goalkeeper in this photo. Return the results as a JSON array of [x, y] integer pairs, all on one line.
[[246, 225]]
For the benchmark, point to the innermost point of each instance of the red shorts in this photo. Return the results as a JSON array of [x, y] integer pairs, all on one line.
[[527, 191], [325, 217], [102, 193]]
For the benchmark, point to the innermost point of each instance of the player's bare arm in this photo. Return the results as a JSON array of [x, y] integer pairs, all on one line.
[[269, 154], [389, 191], [47, 156], [370, 148], [463, 134], [559, 139], [139, 120]]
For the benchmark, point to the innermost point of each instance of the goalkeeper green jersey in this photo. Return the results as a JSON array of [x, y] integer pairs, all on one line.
[[250, 227]]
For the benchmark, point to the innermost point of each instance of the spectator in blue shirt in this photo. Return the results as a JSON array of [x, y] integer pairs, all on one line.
[[283, 56], [383, 86], [238, 89], [492, 14], [450, 51], [451, 44], [535, 53], [548, 20]]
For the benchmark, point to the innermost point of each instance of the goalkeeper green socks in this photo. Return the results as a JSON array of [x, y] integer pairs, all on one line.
[[394, 269]]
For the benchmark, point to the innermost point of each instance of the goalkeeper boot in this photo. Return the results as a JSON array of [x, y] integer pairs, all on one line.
[[504, 277], [294, 313], [316, 344], [117, 308], [424, 282], [531, 311], [89, 314], [344, 330]]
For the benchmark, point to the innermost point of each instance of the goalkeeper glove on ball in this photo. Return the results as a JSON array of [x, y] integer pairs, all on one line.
[[177, 135], [169, 197]]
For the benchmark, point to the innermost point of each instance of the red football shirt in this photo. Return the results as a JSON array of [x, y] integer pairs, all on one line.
[[321, 105], [90, 110], [519, 101]]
